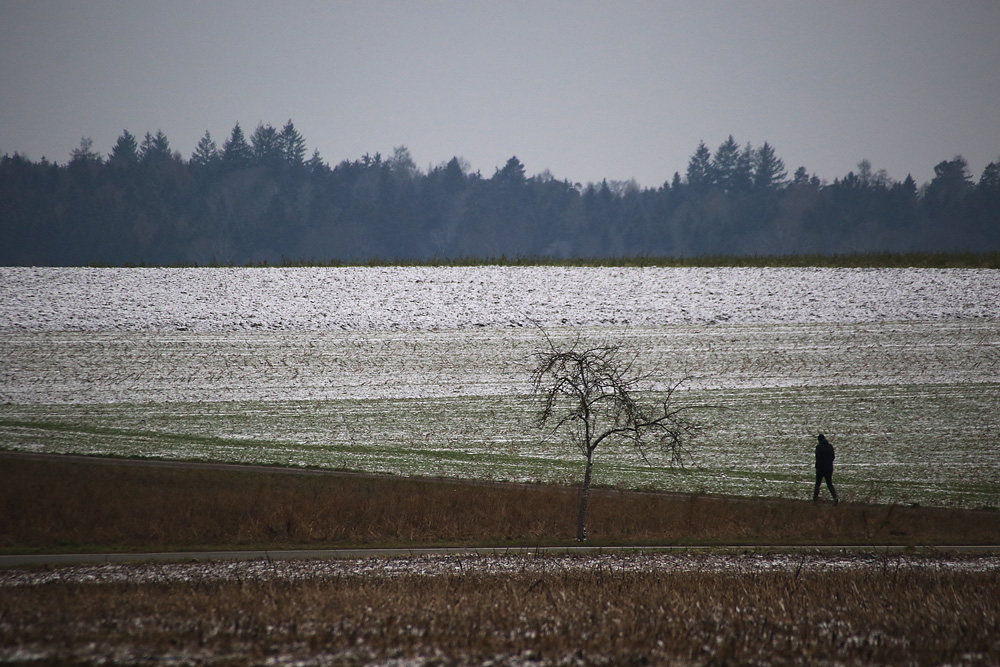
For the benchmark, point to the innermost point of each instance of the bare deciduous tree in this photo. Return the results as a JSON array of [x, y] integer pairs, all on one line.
[[595, 393]]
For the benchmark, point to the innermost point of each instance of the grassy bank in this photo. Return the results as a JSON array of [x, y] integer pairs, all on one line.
[[62, 505], [880, 260], [869, 260]]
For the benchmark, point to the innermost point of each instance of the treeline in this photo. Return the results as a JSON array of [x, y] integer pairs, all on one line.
[[258, 199]]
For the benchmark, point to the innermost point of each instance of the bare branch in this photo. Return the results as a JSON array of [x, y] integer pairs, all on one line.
[[597, 390]]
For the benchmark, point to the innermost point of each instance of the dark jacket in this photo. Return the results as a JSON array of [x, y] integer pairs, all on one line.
[[824, 455]]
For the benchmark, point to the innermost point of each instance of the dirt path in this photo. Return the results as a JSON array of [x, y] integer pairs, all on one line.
[[39, 560]]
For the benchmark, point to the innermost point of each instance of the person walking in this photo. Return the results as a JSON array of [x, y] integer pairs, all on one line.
[[824, 468]]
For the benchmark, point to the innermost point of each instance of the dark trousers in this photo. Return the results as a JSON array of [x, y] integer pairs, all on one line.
[[828, 476]]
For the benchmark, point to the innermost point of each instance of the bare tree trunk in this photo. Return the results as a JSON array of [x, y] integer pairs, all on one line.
[[581, 519], [589, 391]]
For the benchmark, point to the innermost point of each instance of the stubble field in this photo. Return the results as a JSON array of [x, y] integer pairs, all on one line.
[[695, 609]]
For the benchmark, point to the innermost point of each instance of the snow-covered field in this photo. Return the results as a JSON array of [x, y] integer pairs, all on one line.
[[421, 298], [425, 370]]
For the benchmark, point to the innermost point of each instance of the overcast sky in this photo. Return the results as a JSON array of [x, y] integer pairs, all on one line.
[[586, 90]]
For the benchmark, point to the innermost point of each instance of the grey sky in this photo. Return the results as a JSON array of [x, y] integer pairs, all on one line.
[[587, 90]]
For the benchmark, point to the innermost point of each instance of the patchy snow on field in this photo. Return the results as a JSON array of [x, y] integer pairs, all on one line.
[[426, 371], [415, 298], [518, 563]]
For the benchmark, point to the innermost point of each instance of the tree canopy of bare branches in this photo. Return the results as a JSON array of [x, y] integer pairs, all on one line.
[[599, 395]]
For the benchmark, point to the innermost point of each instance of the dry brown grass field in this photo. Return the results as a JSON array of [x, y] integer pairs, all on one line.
[[80, 505], [804, 609], [602, 614]]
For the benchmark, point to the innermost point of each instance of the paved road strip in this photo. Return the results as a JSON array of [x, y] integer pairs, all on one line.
[[30, 560]]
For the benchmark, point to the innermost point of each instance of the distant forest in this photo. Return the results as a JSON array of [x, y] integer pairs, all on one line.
[[259, 199]]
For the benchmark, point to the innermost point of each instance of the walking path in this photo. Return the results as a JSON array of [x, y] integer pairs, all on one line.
[[37, 560]]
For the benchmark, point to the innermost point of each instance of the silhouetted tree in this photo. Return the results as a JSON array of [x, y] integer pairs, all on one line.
[[401, 163], [206, 153], [700, 169], [316, 165], [236, 152], [293, 146], [512, 174], [155, 149], [726, 166], [125, 152], [268, 150], [596, 393], [84, 152], [951, 183], [989, 182], [769, 169]]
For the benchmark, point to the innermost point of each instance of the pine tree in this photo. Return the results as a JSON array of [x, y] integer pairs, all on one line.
[[293, 146], [125, 151], [267, 148], [951, 183], [725, 165], [155, 148], [512, 174], [315, 164], [84, 152], [769, 170], [206, 153], [743, 177], [990, 179], [699, 171], [236, 152]]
